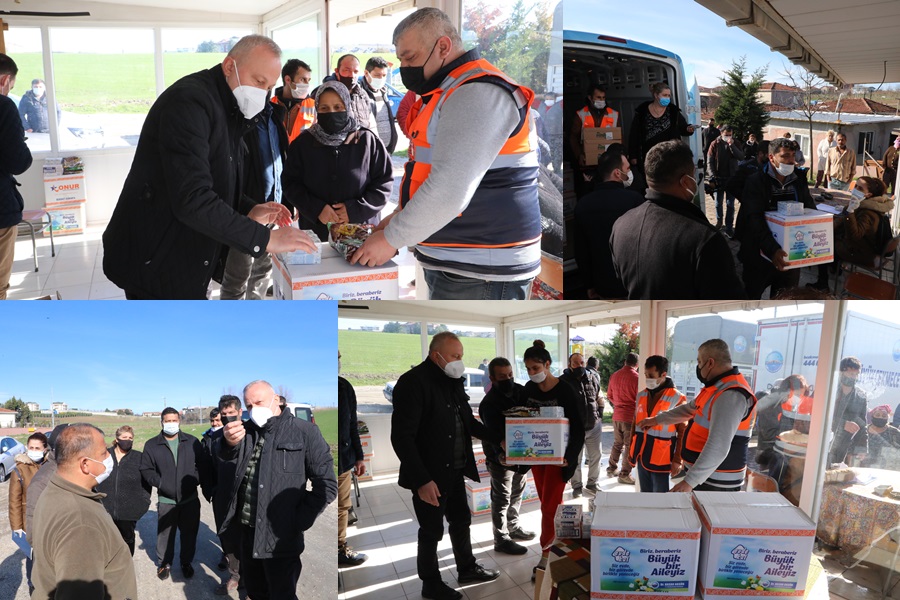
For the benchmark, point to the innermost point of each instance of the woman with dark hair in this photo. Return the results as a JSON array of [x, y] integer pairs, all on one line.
[[27, 464], [127, 494], [545, 389], [336, 171], [884, 440], [655, 121]]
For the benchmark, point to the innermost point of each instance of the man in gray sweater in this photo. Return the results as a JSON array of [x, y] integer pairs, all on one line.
[[716, 440], [469, 197]]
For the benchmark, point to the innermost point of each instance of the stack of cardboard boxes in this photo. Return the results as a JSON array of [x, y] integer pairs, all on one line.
[[597, 141], [65, 195], [365, 439]]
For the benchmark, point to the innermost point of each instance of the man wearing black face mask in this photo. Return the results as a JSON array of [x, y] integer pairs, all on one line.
[[590, 402], [507, 482], [849, 423], [347, 72]]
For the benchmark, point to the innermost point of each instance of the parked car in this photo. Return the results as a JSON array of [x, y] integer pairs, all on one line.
[[302, 411], [9, 449], [394, 97], [474, 387]]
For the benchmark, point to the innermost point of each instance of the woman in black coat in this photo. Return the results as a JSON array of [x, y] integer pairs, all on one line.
[[127, 495], [336, 171], [655, 121]]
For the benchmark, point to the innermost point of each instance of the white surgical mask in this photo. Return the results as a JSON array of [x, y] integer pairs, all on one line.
[[108, 463], [652, 384], [726, 138], [455, 369], [688, 190], [538, 377], [36, 455], [630, 179], [376, 83], [549, 102], [251, 100], [784, 169], [170, 428], [260, 415], [300, 90], [858, 194], [37, 91], [218, 428], [599, 104]]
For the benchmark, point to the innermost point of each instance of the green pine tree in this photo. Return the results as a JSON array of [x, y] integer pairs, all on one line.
[[611, 355], [740, 107]]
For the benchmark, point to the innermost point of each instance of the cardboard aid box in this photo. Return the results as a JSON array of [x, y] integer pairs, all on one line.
[[536, 440], [66, 189], [480, 461], [366, 441], [754, 544], [644, 545], [66, 219], [479, 494], [808, 239], [597, 140], [367, 475], [334, 279]]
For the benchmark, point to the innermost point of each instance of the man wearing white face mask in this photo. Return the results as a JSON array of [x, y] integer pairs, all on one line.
[[81, 553], [721, 165], [666, 248], [373, 84], [274, 455], [595, 215], [431, 432], [596, 113], [174, 462], [774, 182], [183, 200], [294, 105]]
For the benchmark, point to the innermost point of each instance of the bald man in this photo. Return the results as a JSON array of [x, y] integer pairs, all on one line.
[[274, 455], [182, 206], [80, 552]]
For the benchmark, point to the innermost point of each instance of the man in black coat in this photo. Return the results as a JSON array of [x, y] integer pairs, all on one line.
[[666, 248], [590, 403], [507, 482], [848, 427], [431, 432], [182, 200], [174, 462], [776, 181], [274, 454], [595, 215], [382, 116], [350, 460], [223, 476], [15, 158]]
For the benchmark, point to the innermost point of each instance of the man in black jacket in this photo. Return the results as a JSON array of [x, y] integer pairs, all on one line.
[[382, 117], [223, 475], [590, 403], [595, 215], [775, 181], [848, 426], [431, 432], [182, 200], [507, 482], [347, 72], [350, 460], [175, 464], [666, 248], [15, 158], [274, 455]]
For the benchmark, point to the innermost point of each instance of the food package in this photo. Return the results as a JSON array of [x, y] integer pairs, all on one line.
[[346, 238]]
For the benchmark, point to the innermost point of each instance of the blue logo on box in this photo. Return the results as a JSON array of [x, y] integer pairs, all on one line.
[[774, 361]]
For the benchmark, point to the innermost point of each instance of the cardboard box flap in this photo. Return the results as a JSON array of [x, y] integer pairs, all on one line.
[[640, 519], [632, 500]]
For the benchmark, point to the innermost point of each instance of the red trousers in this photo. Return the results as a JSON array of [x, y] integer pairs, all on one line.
[[550, 486]]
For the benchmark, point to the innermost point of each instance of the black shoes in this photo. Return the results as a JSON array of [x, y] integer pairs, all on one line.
[[521, 534], [163, 572], [576, 492], [188, 570], [348, 557], [439, 591], [223, 564], [507, 546], [592, 487], [477, 573]]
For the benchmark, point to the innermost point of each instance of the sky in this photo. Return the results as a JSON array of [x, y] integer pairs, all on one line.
[[98, 355], [700, 37]]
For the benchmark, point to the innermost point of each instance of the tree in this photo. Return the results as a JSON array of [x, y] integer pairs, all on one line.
[[23, 413], [740, 107], [811, 100], [392, 327], [611, 355], [286, 392], [207, 46]]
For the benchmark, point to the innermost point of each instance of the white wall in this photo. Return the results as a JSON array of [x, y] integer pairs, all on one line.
[[384, 461], [7, 420]]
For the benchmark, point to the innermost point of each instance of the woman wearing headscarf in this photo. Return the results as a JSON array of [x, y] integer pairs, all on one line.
[[884, 439], [336, 171]]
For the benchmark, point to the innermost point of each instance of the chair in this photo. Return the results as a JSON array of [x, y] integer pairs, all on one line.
[[867, 287], [757, 482], [34, 220], [876, 268]]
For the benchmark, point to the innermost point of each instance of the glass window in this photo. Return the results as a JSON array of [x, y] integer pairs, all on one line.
[[105, 83], [554, 338], [187, 51], [301, 40], [23, 44]]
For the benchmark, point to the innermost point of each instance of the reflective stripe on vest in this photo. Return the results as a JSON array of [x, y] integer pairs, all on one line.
[[652, 448], [498, 232], [610, 119], [801, 412], [299, 117], [730, 471]]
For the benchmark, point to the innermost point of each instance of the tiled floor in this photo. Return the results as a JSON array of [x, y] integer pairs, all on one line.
[[386, 532]]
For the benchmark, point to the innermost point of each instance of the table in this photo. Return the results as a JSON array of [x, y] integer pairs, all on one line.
[[35, 218], [852, 517], [839, 199]]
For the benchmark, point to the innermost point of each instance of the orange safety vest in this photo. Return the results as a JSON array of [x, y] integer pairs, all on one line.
[[730, 472], [652, 448], [299, 117], [477, 238], [610, 118], [791, 413]]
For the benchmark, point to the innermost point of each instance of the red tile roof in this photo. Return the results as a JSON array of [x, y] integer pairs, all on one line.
[[860, 106], [778, 87]]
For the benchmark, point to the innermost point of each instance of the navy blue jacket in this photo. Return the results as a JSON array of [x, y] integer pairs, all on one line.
[[15, 159]]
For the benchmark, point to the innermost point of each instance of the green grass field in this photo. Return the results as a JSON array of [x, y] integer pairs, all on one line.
[[374, 358]]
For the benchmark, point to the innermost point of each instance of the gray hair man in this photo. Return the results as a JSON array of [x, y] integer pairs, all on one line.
[[81, 552]]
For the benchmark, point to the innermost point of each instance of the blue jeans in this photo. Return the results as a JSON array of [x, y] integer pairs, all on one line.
[[652, 482], [729, 210], [449, 286]]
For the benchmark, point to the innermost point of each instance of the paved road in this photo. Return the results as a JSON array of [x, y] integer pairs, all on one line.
[[319, 578]]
